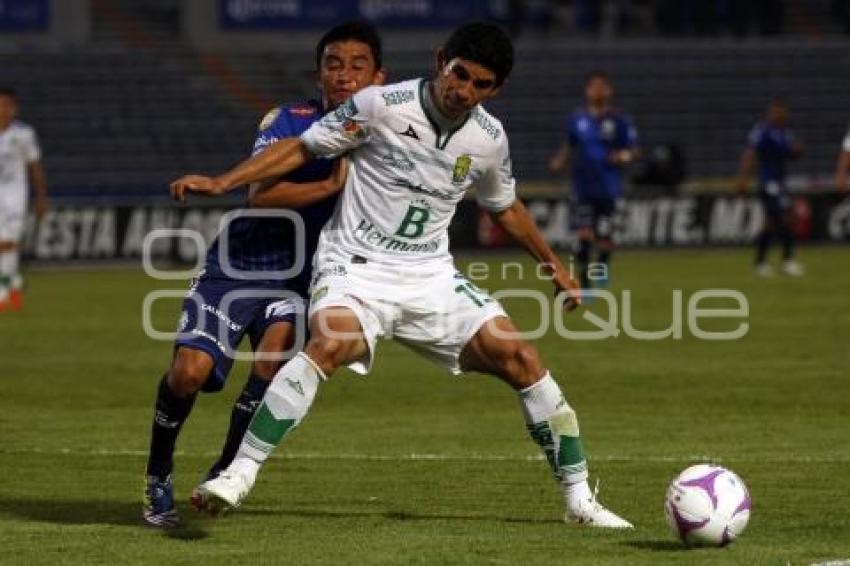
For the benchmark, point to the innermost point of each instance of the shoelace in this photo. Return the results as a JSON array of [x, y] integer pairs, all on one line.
[[593, 500]]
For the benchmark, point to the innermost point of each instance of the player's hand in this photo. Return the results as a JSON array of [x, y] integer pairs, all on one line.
[[207, 186], [40, 208], [841, 184], [339, 174], [620, 157], [564, 284]]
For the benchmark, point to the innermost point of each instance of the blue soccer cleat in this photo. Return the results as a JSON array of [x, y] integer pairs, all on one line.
[[159, 510]]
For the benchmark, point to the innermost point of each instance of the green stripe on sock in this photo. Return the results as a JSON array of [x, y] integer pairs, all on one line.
[[267, 428], [570, 451]]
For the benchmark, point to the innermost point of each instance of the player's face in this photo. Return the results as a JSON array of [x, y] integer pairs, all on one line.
[[778, 114], [461, 85], [598, 91], [8, 110], [346, 67]]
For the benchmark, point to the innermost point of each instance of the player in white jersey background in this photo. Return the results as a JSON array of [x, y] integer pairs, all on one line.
[[383, 267], [20, 169]]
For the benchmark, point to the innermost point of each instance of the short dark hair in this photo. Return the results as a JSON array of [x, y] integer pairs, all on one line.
[[354, 30], [483, 43], [597, 74], [10, 92]]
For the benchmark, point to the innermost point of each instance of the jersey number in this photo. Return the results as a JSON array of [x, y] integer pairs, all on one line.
[[475, 294]]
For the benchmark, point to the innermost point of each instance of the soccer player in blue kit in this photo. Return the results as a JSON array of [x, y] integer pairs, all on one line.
[[600, 142], [771, 144], [217, 314]]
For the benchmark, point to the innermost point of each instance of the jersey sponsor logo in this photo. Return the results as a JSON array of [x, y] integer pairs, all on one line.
[[368, 234], [421, 189], [269, 118], [461, 169], [263, 142], [398, 161], [486, 124], [346, 111], [410, 132], [398, 97], [302, 110], [319, 294], [413, 224]]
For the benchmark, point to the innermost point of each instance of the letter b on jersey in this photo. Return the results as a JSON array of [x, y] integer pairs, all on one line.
[[414, 221]]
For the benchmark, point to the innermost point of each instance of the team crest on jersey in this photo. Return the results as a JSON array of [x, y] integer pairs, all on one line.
[[353, 129], [269, 118], [461, 169]]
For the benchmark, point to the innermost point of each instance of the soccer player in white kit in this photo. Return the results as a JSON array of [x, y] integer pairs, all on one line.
[[383, 268], [20, 166]]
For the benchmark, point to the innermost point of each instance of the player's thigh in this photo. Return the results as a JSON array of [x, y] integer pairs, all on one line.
[[11, 227], [216, 315], [497, 349], [277, 332]]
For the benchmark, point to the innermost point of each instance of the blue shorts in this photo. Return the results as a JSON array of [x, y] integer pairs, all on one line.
[[218, 312], [775, 201], [595, 213]]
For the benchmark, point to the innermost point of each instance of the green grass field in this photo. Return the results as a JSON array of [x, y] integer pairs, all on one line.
[[412, 466]]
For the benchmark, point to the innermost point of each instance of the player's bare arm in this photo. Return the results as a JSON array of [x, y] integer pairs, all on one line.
[[560, 159], [520, 225], [280, 158], [841, 170], [38, 182], [745, 168], [295, 195]]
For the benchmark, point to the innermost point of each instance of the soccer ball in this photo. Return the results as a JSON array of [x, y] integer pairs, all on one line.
[[707, 505]]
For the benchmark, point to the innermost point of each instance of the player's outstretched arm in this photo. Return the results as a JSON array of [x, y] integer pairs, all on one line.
[[38, 182], [295, 195], [841, 170], [745, 167], [520, 225], [560, 159], [278, 159]]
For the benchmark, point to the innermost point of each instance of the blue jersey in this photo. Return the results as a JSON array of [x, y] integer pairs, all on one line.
[[268, 244], [592, 139], [773, 146]]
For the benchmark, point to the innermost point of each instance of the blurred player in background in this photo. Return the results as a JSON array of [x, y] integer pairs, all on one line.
[[600, 142], [348, 58], [770, 145], [20, 169], [842, 168], [383, 265]]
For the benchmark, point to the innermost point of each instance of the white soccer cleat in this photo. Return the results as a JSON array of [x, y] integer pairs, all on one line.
[[224, 492], [591, 512], [792, 268], [763, 270]]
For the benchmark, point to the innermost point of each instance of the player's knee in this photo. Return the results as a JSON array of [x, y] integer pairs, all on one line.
[[327, 352], [189, 372]]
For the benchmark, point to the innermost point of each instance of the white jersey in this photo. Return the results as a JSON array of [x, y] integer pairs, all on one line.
[[18, 148], [407, 176]]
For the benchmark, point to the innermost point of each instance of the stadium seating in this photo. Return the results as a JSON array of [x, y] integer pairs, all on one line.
[[112, 117]]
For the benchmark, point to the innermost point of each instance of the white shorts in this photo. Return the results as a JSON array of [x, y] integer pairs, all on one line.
[[12, 219], [434, 312]]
